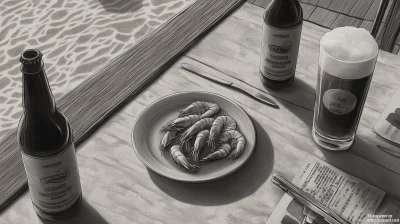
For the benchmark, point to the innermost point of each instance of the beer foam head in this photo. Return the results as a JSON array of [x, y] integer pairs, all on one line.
[[348, 52]]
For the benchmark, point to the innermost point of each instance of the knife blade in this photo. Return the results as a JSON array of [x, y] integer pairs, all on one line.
[[241, 87]]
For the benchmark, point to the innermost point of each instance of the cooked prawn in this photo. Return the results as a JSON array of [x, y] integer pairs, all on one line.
[[203, 108], [221, 152], [181, 160], [166, 140], [181, 123], [199, 144], [198, 126], [220, 125], [235, 139]]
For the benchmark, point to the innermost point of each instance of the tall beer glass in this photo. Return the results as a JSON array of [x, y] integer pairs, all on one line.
[[346, 65]]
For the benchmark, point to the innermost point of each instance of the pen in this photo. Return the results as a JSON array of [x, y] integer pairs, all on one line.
[[307, 200]]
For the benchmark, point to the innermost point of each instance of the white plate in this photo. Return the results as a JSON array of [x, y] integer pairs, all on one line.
[[146, 136]]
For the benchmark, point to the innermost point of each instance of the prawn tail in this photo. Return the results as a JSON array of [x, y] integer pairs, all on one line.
[[208, 158], [163, 150], [167, 126], [193, 168], [195, 156], [211, 144], [236, 153], [183, 166], [214, 145], [189, 167], [233, 155], [191, 151], [166, 142], [205, 159], [170, 126]]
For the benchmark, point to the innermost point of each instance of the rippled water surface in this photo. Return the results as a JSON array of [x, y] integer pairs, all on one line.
[[76, 38]]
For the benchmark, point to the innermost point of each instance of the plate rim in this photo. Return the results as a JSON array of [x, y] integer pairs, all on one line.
[[184, 180]]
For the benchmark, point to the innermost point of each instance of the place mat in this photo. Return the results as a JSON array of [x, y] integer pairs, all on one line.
[[102, 94]]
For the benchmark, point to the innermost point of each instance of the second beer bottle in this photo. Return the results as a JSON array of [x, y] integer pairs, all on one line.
[[47, 146], [283, 20]]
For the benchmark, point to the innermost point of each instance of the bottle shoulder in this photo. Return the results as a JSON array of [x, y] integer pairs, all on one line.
[[44, 138], [283, 16]]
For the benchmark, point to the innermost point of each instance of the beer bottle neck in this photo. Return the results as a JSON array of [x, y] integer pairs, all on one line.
[[42, 128], [284, 14], [37, 97], [286, 2]]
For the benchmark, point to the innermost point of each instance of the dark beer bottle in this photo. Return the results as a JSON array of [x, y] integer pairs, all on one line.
[[46, 141], [283, 20]]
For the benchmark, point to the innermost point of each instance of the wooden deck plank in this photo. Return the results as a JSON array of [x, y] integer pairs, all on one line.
[[262, 3], [360, 8], [324, 3], [385, 17], [307, 10], [396, 49], [337, 13], [342, 6], [312, 2], [398, 39], [367, 25], [323, 17], [372, 11], [380, 33], [343, 20], [392, 27]]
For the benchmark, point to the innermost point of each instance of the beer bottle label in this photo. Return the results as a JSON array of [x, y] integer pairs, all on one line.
[[279, 52], [54, 183]]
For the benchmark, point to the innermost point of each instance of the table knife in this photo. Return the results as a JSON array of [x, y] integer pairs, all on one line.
[[241, 87], [307, 200]]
